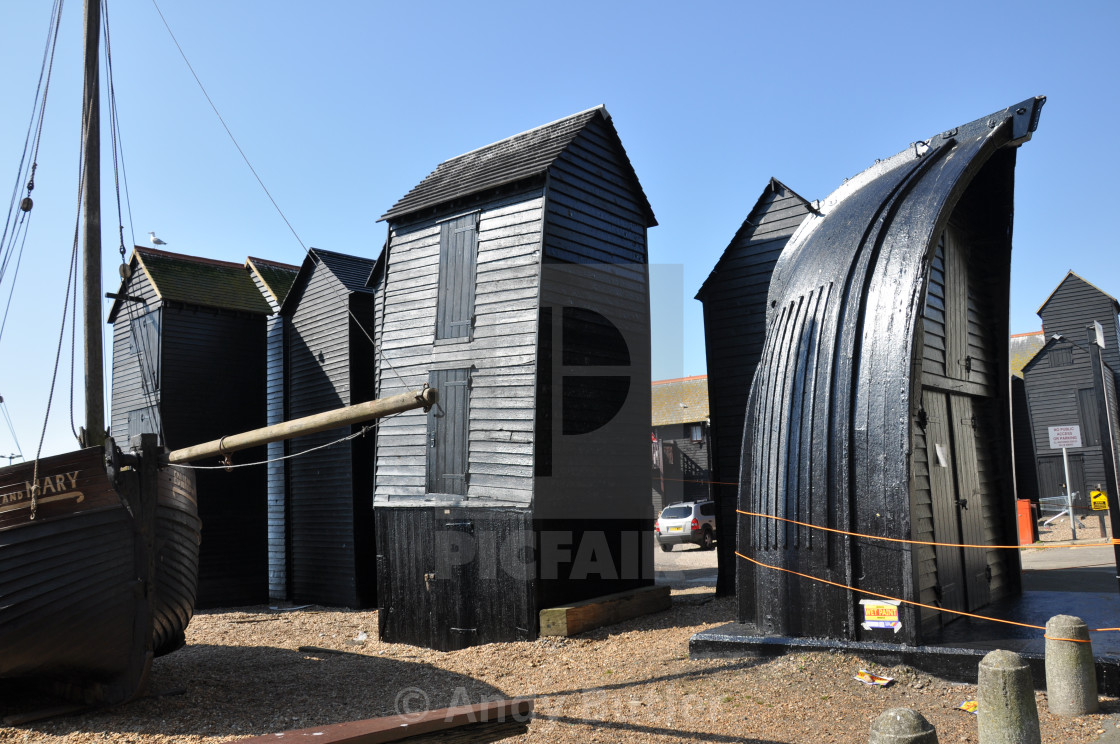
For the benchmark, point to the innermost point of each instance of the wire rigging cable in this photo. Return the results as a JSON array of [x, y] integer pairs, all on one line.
[[8, 421], [253, 170], [15, 224]]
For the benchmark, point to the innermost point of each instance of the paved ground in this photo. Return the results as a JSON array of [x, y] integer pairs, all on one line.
[[685, 567]]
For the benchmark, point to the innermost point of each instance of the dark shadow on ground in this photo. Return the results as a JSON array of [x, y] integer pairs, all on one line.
[[304, 690]]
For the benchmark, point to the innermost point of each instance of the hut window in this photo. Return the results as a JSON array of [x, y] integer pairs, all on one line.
[[1061, 356], [458, 247], [1090, 417], [697, 433], [143, 343]]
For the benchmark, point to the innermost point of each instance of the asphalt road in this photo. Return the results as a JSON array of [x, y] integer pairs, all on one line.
[[686, 566]]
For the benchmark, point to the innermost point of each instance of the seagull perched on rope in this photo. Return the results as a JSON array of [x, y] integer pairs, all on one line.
[[155, 240]]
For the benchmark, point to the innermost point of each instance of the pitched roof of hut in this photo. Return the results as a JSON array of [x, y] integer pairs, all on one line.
[[760, 217], [680, 401], [352, 273], [511, 160], [276, 277], [1074, 276], [193, 280], [1022, 348]]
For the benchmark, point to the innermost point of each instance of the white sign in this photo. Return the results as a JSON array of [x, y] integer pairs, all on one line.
[[1064, 436]]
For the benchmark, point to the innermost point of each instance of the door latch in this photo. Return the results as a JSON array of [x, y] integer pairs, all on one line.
[[428, 579]]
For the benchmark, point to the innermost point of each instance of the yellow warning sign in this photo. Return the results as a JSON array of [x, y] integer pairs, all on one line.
[[1100, 501], [879, 613]]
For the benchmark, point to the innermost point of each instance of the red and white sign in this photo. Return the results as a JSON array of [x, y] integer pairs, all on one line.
[[1064, 436]]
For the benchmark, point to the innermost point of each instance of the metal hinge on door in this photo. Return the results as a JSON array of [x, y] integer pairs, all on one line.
[[428, 579]]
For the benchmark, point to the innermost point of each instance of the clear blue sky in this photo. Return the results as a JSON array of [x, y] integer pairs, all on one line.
[[344, 106]]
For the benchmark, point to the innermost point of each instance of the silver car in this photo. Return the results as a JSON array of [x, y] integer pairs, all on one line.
[[687, 522]]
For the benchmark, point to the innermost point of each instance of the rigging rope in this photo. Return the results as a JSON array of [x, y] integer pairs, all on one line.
[[260, 181]]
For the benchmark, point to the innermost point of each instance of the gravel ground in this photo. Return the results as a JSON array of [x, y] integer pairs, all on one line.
[[1088, 529], [242, 674]]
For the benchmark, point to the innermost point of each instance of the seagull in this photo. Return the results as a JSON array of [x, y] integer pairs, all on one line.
[[155, 240]]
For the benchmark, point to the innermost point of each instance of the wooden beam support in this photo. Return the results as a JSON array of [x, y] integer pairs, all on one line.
[[414, 727], [606, 610], [355, 414]]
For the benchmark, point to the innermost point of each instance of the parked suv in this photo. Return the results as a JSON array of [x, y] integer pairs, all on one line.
[[687, 522]]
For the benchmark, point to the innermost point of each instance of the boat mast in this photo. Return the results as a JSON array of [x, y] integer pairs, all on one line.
[[94, 433]]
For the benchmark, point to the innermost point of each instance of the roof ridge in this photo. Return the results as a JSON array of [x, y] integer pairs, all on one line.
[[268, 262], [184, 257], [324, 251], [1073, 273], [554, 122]]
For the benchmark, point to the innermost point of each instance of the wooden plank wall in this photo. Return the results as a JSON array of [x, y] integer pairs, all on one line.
[[594, 485], [1052, 399], [734, 299], [1074, 305], [213, 385], [277, 500], [323, 528], [502, 353], [435, 596], [274, 394], [128, 386]]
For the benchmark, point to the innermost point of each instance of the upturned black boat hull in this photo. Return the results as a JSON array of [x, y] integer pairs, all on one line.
[[102, 579]]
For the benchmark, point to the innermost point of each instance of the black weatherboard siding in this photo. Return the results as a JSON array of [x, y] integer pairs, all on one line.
[[274, 281], [880, 404], [514, 280], [734, 297], [1062, 390], [330, 364], [211, 382]]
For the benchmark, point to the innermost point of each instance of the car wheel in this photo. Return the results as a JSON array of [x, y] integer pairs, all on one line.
[[707, 541], [668, 548]]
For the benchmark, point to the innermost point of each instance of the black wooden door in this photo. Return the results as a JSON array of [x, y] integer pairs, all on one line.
[[970, 500], [943, 487], [454, 589], [447, 432]]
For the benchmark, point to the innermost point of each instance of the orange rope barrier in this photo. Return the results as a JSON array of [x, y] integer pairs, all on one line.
[[916, 604], [923, 542]]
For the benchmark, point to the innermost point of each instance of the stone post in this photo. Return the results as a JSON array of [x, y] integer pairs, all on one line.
[[902, 726], [1071, 675], [1007, 712]]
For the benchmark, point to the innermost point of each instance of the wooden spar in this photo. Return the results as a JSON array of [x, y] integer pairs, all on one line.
[[355, 414]]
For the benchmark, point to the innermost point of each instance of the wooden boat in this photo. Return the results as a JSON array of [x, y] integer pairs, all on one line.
[[99, 547], [98, 567]]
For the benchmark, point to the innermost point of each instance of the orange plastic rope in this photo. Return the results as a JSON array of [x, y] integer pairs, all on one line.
[[923, 542], [910, 602]]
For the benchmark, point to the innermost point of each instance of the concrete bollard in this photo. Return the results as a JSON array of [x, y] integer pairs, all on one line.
[[902, 726], [1071, 674], [1005, 693]]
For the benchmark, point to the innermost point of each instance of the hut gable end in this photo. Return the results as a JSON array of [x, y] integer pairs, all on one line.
[[1074, 304], [734, 298], [133, 398]]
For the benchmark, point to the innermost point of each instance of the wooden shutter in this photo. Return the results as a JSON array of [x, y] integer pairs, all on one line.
[[458, 246], [447, 432], [144, 343], [1090, 417]]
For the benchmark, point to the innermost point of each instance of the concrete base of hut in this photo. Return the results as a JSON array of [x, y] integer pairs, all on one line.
[[955, 652]]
